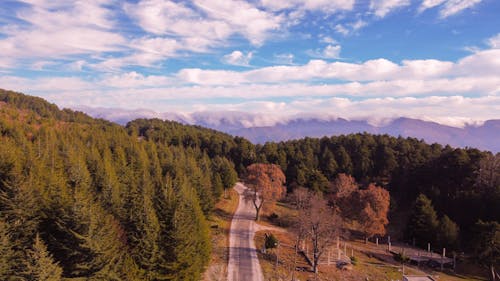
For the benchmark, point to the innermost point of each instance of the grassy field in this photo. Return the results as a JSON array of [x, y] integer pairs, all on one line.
[[220, 224], [369, 265]]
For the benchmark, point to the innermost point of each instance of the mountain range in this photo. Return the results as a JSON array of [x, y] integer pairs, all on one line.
[[254, 128]]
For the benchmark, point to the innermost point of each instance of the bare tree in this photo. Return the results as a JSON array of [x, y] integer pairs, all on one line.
[[319, 224], [266, 182], [299, 197]]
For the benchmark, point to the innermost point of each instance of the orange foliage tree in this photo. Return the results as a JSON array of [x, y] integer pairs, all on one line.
[[266, 183], [369, 207], [374, 203]]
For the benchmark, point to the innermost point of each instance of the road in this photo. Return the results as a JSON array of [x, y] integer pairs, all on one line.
[[243, 262]]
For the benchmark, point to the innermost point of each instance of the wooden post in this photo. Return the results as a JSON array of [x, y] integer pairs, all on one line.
[[376, 241], [442, 258], [338, 254], [429, 248], [352, 252], [389, 239], [389, 246], [345, 249], [454, 261]]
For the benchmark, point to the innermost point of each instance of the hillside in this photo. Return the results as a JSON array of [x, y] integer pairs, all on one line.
[[86, 198]]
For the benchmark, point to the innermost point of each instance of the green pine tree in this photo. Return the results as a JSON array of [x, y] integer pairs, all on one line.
[[448, 233], [423, 222], [40, 265]]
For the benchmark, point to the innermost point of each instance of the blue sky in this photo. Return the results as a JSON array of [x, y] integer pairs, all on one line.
[[436, 60]]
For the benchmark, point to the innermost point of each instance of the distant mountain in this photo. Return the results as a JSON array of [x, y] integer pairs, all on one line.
[[486, 136], [254, 128]]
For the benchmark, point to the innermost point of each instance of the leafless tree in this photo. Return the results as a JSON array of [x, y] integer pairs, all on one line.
[[318, 224]]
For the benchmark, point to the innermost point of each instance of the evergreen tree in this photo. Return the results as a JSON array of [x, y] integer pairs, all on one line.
[[41, 266], [486, 245], [8, 256], [423, 222], [448, 233]]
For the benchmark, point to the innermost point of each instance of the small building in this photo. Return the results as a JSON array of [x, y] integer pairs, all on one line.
[[417, 278]]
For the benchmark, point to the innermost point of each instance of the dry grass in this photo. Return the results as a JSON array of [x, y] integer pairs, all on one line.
[[371, 265], [220, 223]]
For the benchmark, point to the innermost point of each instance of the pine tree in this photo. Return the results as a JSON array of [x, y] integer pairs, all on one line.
[[423, 221], [190, 236], [448, 233], [8, 256], [41, 265]]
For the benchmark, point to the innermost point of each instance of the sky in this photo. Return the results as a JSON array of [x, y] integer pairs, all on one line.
[[436, 60]]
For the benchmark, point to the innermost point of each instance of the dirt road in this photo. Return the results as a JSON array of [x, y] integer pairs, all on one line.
[[243, 261]]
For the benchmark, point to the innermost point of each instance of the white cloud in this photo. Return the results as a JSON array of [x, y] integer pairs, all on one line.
[[341, 29], [357, 25], [286, 58], [428, 4], [329, 52], [383, 7], [332, 51], [219, 20], [482, 64], [59, 30], [452, 7], [328, 40], [328, 6], [135, 80], [448, 7], [350, 28], [494, 42], [238, 58], [459, 111]]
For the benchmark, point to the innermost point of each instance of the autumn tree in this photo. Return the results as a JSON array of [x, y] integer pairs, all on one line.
[[319, 224], [374, 205], [266, 182], [369, 207]]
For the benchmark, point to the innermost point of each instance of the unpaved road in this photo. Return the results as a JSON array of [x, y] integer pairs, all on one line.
[[243, 262]]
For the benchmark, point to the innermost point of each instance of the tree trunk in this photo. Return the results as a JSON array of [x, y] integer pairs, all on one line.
[[257, 213]]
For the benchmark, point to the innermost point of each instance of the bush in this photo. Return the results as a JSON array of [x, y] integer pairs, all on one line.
[[273, 217], [402, 258], [271, 241], [354, 260]]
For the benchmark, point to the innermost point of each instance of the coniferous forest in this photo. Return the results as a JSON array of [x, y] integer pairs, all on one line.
[[87, 199]]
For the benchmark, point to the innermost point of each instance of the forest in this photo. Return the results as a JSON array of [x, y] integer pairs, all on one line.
[[87, 199]]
